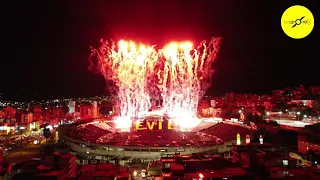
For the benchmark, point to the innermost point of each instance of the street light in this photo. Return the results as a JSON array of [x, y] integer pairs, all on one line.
[[298, 115], [135, 173], [280, 112], [201, 176]]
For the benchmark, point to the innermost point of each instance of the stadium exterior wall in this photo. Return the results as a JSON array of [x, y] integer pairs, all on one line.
[[135, 151]]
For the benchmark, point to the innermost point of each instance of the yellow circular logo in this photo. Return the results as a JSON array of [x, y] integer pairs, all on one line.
[[297, 22]]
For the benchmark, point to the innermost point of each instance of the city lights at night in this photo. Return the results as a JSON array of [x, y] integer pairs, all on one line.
[[174, 90]]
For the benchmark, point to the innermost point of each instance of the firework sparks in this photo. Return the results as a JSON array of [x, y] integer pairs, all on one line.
[[178, 74]]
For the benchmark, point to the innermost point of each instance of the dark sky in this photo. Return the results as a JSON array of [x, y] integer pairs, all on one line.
[[47, 42]]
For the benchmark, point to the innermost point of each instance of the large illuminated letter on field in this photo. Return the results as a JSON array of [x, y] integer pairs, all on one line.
[[160, 125], [169, 125], [139, 125], [150, 125]]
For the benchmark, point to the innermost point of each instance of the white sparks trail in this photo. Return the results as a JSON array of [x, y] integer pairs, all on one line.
[[178, 74]]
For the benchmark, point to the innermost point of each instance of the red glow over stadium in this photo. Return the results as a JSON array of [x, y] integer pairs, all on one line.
[[168, 81]]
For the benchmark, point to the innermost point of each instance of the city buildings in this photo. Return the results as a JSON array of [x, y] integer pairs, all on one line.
[[308, 143], [14, 119], [228, 117], [57, 166]]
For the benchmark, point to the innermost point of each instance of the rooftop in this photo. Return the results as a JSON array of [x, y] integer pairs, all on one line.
[[299, 170], [221, 173], [63, 156], [51, 173], [272, 155]]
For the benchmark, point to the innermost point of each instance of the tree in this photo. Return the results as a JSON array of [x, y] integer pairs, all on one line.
[[273, 123], [46, 133], [306, 111], [261, 109], [21, 133], [282, 106], [259, 119], [288, 138], [250, 117], [311, 154], [316, 105], [312, 129], [65, 109], [255, 118], [261, 131]]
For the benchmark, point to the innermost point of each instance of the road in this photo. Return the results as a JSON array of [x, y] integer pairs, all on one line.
[[24, 154]]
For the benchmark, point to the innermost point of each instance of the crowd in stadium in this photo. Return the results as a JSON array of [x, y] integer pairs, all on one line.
[[87, 133], [158, 138]]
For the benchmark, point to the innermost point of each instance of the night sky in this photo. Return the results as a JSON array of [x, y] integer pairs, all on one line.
[[47, 43]]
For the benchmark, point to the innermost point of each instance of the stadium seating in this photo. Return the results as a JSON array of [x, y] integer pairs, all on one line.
[[88, 133], [228, 131]]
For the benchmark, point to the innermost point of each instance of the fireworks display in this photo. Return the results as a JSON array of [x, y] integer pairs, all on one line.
[[176, 75]]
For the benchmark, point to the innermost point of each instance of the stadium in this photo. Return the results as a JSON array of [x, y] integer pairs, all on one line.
[[178, 74], [102, 138]]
